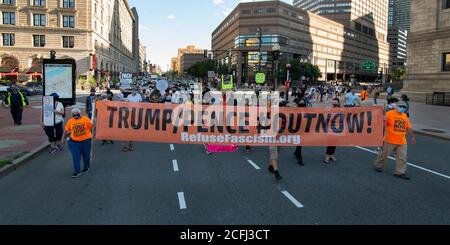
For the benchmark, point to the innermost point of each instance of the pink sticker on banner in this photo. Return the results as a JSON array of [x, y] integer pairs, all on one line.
[[221, 148]]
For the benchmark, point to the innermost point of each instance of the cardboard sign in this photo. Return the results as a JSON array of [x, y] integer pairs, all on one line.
[[48, 107]]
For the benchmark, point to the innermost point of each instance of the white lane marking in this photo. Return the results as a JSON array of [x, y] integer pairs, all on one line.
[[181, 200], [410, 164], [172, 147], [175, 165], [292, 199], [253, 164]]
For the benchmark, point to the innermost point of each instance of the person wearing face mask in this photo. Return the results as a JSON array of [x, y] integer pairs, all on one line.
[[397, 126], [90, 101], [16, 101], [55, 132], [80, 130], [331, 150]]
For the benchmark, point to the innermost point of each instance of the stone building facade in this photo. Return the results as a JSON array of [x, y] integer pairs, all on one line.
[[97, 34], [428, 64]]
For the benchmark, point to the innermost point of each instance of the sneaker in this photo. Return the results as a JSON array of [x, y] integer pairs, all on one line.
[[53, 150], [104, 142], [300, 162], [402, 176], [333, 159], [75, 175], [208, 153], [326, 161], [60, 148], [131, 148], [271, 170], [125, 149], [111, 142], [86, 170], [277, 175], [379, 170]]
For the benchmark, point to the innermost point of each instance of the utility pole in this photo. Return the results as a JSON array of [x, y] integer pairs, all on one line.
[[260, 47]]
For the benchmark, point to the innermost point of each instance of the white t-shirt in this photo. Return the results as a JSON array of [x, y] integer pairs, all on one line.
[[59, 118], [136, 98]]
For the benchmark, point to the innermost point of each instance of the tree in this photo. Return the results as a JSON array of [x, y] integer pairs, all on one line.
[[299, 69], [398, 74], [82, 82], [200, 69], [92, 82]]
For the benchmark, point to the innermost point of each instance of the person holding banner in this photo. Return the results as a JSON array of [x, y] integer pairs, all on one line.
[[134, 97], [397, 126], [331, 150], [80, 130], [55, 132]]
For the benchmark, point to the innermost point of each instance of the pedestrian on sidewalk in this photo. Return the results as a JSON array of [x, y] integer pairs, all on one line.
[[80, 130], [390, 92], [110, 94], [55, 132], [90, 102], [376, 95], [331, 150], [397, 126], [16, 101]]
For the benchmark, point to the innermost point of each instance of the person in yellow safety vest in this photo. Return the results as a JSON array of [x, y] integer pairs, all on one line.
[[16, 101]]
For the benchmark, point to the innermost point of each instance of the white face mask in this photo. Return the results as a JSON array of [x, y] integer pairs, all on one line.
[[394, 105]]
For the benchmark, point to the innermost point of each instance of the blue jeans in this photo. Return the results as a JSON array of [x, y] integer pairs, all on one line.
[[78, 150]]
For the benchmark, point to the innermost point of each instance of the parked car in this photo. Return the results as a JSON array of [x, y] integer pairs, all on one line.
[[3, 91], [27, 91]]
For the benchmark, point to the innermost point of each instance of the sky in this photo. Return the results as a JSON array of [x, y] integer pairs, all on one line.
[[166, 25]]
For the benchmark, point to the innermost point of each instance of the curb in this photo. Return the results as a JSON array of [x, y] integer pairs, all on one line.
[[19, 162]]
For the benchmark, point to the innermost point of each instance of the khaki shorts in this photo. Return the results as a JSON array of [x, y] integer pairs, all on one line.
[[273, 153]]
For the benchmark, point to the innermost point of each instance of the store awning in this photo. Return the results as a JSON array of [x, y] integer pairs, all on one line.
[[34, 69], [7, 69]]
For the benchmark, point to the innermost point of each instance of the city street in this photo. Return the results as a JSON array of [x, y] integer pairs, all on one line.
[[180, 185]]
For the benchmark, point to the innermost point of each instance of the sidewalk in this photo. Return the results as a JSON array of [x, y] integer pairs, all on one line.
[[426, 119], [16, 141]]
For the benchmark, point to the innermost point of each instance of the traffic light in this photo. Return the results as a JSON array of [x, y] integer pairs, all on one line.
[[229, 53], [52, 54]]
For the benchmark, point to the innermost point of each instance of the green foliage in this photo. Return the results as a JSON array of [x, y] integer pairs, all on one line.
[[200, 69], [115, 81], [82, 81], [299, 69], [398, 74], [92, 82]]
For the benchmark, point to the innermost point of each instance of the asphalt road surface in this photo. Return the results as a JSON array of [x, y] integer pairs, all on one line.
[[148, 187]]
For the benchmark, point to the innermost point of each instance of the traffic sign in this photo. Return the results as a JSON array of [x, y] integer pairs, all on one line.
[[260, 78]]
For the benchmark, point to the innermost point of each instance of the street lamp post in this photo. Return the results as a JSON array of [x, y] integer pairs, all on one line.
[[288, 79], [276, 49]]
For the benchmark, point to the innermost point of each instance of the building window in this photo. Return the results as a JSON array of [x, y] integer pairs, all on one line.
[[69, 21], [9, 39], [271, 10], [446, 62], [68, 4], [9, 18], [68, 41], [38, 2], [9, 2], [39, 19], [246, 11], [39, 41], [446, 4]]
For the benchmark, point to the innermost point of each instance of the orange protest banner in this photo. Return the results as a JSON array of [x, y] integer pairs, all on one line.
[[253, 126]]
